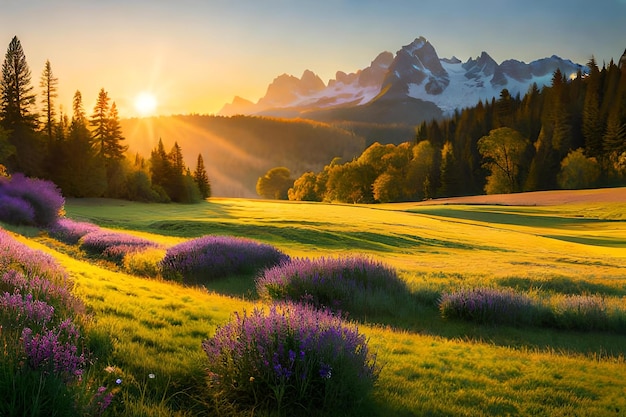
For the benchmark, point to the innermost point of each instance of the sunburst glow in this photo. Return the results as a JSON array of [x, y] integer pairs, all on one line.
[[145, 103]]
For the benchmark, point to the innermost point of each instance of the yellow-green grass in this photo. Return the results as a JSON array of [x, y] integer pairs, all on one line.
[[432, 367]]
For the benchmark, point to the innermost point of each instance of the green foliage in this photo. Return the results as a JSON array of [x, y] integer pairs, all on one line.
[[503, 150], [275, 184], [578, 171], [304, 188]]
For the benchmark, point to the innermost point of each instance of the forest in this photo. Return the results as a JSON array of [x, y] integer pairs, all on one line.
[[569, 135], [84, 155]]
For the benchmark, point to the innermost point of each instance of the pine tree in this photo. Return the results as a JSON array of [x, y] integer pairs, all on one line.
[[176, 159], [16, 112], [591, 118], [114, 150], [17, 97], [615, 136], [161, 172], [84, 173], [202, 179], [49, 85], [100, 122]]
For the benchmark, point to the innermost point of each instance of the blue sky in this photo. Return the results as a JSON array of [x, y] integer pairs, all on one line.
[[197, 55]]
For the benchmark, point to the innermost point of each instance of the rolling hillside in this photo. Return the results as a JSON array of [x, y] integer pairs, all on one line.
[[238, 150]]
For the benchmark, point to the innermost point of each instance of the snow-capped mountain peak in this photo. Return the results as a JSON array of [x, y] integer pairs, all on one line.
[[415, 73]]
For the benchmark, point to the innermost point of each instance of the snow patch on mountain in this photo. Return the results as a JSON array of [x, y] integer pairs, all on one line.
[[465, 92]]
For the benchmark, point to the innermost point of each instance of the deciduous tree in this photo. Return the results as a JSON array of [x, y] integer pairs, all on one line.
[[578, 171], [503, 151], [275, 184]]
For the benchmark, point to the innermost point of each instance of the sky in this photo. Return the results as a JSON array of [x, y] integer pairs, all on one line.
[[194, 56]]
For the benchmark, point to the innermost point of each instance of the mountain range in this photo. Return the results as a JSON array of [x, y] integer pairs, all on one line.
[[409, 87]]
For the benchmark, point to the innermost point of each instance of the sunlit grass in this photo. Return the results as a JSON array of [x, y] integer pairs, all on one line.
[[431, 366]]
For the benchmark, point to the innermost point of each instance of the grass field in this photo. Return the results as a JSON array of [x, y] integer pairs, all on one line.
[[431, 366]]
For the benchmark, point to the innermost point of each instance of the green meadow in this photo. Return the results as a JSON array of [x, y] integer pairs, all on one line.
[[143, 326]]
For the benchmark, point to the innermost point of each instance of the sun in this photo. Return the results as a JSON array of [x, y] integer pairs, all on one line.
[[145, 103]]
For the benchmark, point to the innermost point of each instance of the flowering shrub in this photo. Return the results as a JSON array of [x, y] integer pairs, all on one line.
[[19, 196], [210, 257], [70, 231], [294, 359], [488, 305], [113, 245], [14, 210], [355, 284]]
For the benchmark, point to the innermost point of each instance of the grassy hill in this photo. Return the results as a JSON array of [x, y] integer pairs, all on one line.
[[431, 366]]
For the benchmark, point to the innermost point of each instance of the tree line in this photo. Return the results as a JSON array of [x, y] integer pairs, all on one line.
[[570, 134], [85, 155]]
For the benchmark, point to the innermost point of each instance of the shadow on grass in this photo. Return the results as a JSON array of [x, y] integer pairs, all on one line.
[[561, 285], [500, 216], [310, 234]]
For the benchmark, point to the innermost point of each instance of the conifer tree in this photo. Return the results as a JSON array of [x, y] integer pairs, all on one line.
[[161, 172], [84, 173], [16, 112], [201, 178], [114, 150], [176, 159], [48, 84], [591, 119], [100, 122], [17, 97]]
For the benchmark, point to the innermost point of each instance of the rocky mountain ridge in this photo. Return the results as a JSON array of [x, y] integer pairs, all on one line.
[[413, 85]]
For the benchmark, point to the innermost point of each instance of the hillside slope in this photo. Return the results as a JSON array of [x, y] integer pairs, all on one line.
[[238, 150]]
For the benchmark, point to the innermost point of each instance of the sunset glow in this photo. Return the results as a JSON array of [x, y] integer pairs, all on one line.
[[145, 104], [195, 57]]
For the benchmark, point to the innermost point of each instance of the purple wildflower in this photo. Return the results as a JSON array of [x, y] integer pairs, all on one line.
[[55, 350]]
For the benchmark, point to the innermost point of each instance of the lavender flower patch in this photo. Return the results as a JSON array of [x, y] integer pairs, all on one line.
[[29, 271], [354, 284], [291, 359], [55, 351], [211, 257], [17, 310], [14, 210], [489, 305], [16, 255], [44, 197], [114, 245], [70, 231]]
